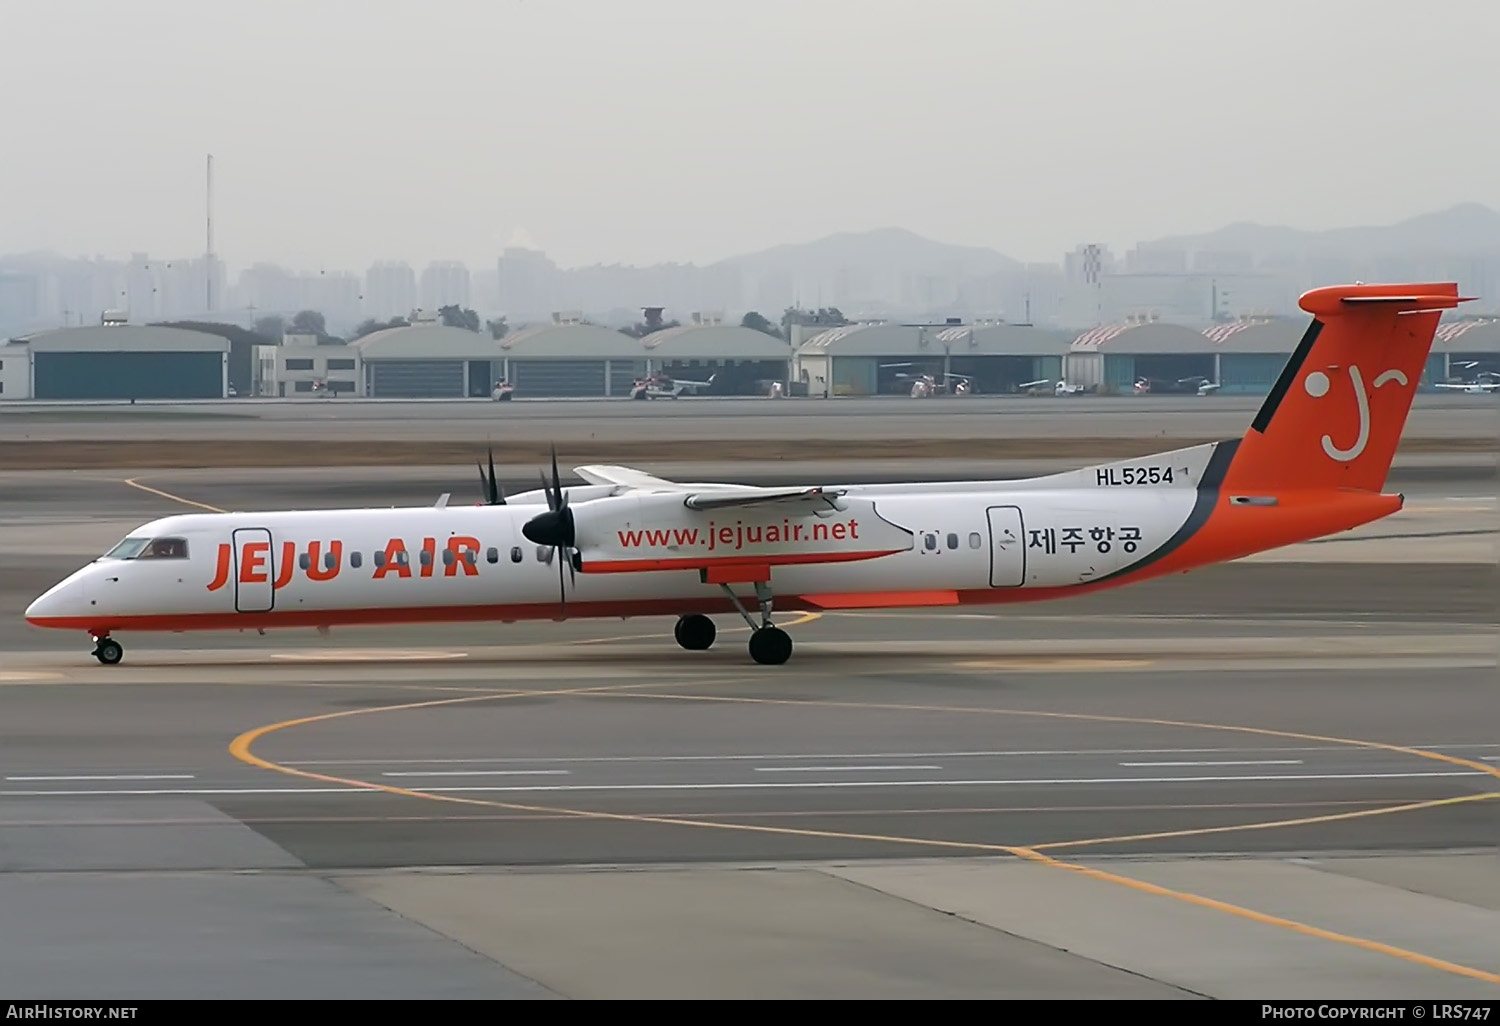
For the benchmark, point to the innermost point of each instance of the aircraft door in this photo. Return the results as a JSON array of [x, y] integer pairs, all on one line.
[[254, 570], [1007, 547]]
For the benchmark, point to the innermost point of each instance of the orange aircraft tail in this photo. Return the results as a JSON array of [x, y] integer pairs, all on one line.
[[1335, 416]]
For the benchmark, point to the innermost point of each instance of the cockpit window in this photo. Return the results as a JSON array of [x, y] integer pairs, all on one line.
[[127, 549], [165, 548]]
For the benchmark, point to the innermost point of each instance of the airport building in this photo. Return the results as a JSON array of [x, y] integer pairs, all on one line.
[[426, 360], [1244, 357], [300, 366], [115, 360], [1112, 358], [569, 359], [1468, 349], [882, 359], [741, 361]]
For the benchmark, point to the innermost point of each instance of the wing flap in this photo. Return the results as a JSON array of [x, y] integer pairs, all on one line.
[[807, 500]]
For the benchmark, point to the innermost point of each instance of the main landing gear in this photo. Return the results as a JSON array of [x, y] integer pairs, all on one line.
[[695, 633], [769, 644], [107, 650]]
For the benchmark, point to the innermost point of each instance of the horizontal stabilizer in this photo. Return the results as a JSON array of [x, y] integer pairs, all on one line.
[[1414, 302], [810, 498], [1339, 300]]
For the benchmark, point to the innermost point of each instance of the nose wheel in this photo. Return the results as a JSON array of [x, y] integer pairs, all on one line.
[[108, 651], [769, 644]]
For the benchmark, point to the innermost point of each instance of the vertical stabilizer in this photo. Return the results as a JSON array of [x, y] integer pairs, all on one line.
[[1335, 416]]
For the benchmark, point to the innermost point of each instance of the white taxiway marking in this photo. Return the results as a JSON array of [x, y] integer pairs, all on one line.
[[836, 769], [118, 776], [1243, 762], [1018, 782], [806, 756], [480, 773]]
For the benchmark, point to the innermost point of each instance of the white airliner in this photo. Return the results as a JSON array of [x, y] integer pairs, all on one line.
[[1312, 463]]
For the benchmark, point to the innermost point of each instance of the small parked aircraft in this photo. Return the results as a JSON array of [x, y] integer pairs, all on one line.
[[663, 386], [1196, 385], [925, 386]]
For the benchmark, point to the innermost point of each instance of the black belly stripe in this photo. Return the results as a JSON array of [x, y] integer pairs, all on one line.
[[1203, 506]]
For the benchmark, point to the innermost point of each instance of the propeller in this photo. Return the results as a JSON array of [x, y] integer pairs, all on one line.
[[493, 494], [554, 528]]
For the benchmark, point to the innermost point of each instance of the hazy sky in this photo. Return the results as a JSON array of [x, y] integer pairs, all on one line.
[[657, 130]]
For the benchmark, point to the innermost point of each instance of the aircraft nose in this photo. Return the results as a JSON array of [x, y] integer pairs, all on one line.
[[64, 599]]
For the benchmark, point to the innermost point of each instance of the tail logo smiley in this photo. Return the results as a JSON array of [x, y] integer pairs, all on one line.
[[1317, 385]]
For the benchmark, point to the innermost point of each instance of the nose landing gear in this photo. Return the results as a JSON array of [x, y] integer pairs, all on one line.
[[107, 650]]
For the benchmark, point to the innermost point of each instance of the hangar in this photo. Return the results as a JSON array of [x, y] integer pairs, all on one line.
[[1467, 349], [742, 361], [570, 359], [878, 359], [427, 361], [1116, 356], [1252, 353], [115, 360], [1002, 358]]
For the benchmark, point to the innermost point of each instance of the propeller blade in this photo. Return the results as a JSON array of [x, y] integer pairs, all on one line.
[[562, 592], [497, 498]]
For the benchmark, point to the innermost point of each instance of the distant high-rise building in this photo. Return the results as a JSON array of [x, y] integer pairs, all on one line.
[[528, 285], [445, 283], [390, 289]]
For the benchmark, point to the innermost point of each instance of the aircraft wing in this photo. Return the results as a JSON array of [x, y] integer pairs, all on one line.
[[627, 477], [797, 501]]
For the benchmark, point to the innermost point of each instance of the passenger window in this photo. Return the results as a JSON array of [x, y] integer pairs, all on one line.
[[379, 559], [165, 548], [975, 541], [493, 555], [929, 542], [516, 555], [402, 559], [329, 561], [303, 561], [425, 557], [471, 557], [953, 541], [542, 552], [447, 557], [355, 560]]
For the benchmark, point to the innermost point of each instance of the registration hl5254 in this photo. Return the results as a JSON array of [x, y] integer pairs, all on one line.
[[1114, 476]]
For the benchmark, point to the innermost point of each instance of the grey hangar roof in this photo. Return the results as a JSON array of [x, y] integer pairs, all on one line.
[[957, 340], [572, 342], [427, 342], [569, 342], [125, 338], [1479, 336], [715, 342]]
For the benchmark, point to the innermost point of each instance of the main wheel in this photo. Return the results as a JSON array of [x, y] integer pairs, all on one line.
[[770, 646], [695, 632], [109, 652]]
